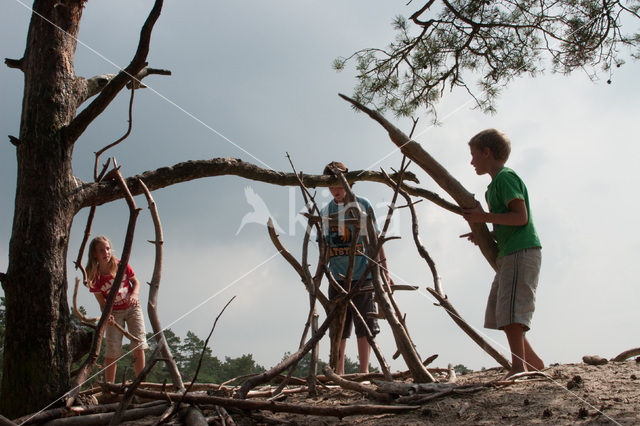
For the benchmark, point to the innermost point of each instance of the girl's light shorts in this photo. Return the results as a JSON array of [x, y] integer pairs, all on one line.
[[132, 316], [512, 298]]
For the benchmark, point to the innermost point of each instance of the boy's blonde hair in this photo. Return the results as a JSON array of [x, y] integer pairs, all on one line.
[[497, 142], [92, 262]]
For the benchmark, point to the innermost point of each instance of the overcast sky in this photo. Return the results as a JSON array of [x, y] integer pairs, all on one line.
[[253, 80]]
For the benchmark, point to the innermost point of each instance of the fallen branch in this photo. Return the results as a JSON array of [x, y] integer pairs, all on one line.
[[224, 416], [415, 393], [276, 407], [104, 418], [89, 194], [403, 389], [56, 413], [626, 355], [355, 386]]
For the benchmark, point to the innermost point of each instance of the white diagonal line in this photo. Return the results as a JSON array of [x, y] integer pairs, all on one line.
[[198, 120]]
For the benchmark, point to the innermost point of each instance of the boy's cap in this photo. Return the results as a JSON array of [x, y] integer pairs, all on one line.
[[333, 167]]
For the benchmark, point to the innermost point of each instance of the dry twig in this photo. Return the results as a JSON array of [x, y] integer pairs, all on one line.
[[154, 288]]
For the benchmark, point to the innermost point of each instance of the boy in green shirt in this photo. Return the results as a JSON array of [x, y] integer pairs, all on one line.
[[512, 297]]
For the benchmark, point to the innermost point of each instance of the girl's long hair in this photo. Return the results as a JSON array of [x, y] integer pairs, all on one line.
[[92, 261]]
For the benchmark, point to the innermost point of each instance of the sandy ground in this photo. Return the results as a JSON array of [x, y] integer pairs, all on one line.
[[574, 394]]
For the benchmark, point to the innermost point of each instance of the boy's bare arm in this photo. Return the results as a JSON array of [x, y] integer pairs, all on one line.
[[516, 216]]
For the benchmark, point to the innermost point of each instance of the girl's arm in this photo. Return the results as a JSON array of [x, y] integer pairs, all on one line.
[[101, 300], [134, 298]]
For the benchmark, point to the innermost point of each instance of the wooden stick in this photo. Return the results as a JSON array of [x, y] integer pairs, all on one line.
[[626, 355], [471, 332], [154, 289], [355, 386]]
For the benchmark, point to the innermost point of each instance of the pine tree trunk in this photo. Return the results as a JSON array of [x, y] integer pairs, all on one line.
[[36, 353]]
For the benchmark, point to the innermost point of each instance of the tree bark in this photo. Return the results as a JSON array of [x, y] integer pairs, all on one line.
[[36, 352]]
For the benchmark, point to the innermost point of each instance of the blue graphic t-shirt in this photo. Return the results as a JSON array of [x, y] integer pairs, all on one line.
[[339, 238]]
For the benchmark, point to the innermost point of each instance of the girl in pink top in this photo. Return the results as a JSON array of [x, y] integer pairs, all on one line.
[[101, 269]]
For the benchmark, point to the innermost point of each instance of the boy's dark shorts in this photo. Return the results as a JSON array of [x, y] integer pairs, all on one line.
[[365, 303]]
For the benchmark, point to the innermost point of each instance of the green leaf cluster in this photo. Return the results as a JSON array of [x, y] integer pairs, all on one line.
[[481, 46]]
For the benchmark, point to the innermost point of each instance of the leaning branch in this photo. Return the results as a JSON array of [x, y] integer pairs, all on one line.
[[440, 175], [355, 386]]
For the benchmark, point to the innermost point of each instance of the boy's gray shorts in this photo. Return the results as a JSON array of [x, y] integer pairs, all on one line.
[[512, 298], [135, 325]]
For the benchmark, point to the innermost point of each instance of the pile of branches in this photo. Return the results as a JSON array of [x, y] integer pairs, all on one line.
[[219, 403]]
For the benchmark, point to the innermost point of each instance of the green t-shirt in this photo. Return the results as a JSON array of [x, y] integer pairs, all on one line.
[[505, 187]]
